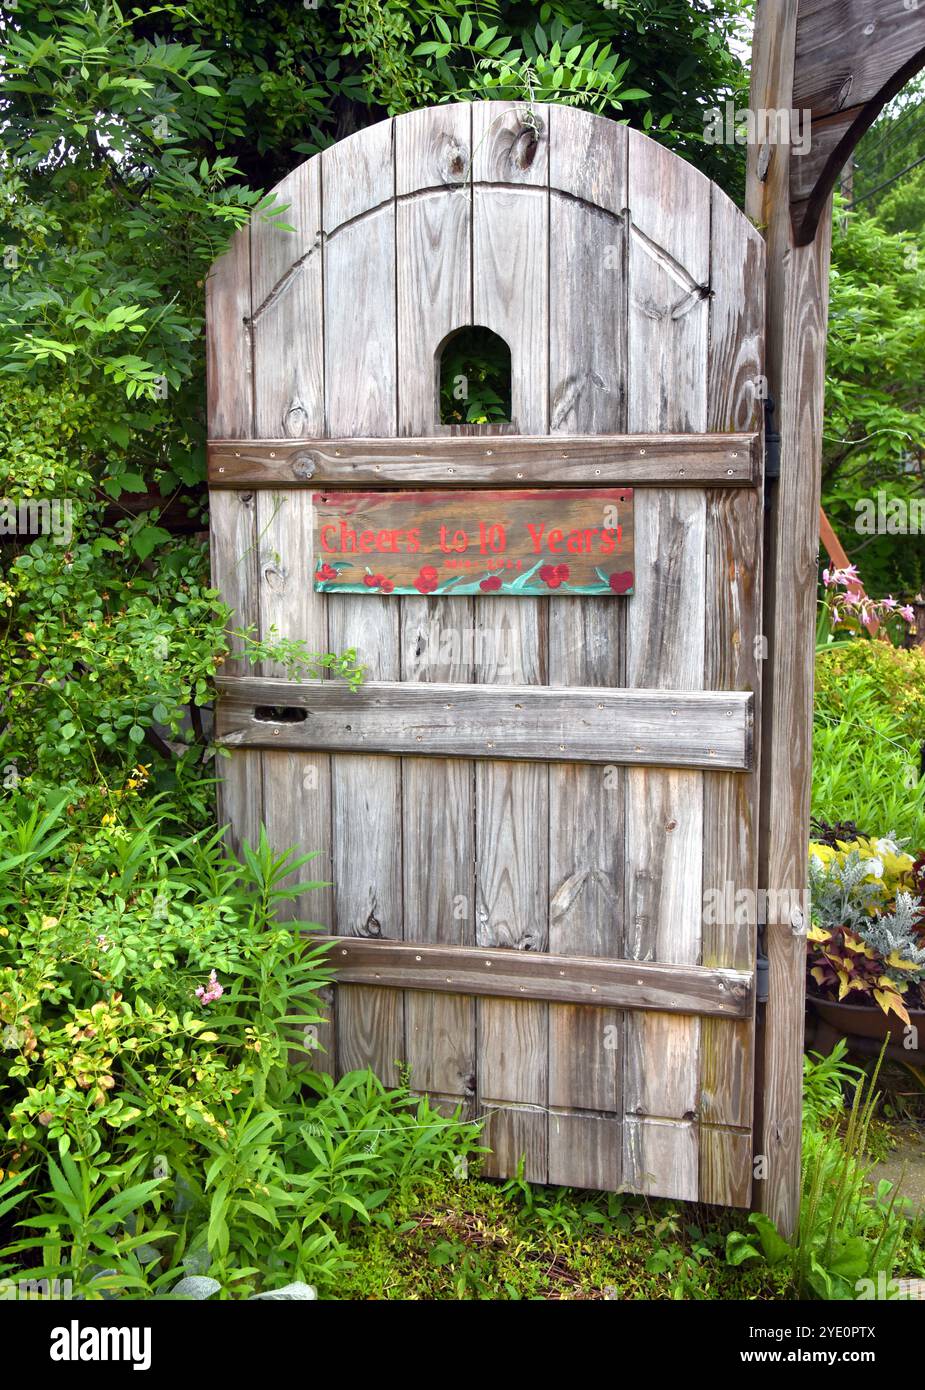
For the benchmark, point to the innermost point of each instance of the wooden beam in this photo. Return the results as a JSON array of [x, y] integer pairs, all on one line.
[[665, 728], [797, 314], [623, 984], [851, 57], [689, 460]]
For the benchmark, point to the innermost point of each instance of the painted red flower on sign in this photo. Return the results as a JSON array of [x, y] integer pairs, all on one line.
[[427, 580], [491, 585], [553, 575], [622, 581], [386, 586], [324, 572]]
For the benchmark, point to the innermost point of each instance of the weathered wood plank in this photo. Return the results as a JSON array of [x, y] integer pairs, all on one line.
[[296, 783], [664, 728], [229, 379], [361, 398], [796, 316], [287, 316], [733, 660], [232, 524], [510, 266], [434, 296], [668, 296], [587, 376], [569, 978], [286, 325], [559, 460]]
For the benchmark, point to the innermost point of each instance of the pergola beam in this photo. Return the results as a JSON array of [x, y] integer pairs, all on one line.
[[850, 58]]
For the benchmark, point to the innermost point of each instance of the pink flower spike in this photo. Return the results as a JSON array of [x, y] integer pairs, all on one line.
[[827, 578], [889, 603], [207, 994], [907, 613]]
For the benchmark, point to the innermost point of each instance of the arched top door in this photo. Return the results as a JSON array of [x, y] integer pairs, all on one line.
[[495, 214], [460, 801]]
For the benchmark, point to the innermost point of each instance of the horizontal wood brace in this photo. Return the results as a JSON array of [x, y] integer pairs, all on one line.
[[662, 728], [637, 460], [623, 984]]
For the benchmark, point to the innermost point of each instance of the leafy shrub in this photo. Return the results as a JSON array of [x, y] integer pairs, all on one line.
[[867, 737], [890, 679], [161, 1114]]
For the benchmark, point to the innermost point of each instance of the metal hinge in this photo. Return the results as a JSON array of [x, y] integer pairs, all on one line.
[[771, 444]]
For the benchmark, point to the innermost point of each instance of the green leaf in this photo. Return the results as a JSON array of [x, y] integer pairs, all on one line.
[[776, 1249]]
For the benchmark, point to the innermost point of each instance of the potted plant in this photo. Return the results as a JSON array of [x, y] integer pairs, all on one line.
[[866, 941]]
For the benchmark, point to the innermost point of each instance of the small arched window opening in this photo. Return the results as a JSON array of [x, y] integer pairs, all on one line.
[[474, 378]]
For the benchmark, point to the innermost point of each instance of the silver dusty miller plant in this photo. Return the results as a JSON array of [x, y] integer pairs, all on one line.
[[896, 931], [839, 895]]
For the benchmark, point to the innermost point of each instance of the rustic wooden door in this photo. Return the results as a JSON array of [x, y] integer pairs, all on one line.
[[547, 901]]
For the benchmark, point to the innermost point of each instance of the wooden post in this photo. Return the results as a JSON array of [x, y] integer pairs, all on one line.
[[797, 312], [840, 61]]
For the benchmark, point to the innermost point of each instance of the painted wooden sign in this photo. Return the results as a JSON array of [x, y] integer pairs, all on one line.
[[568, 541]]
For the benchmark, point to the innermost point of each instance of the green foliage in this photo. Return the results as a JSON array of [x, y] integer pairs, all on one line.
[[849, 1232], [874, 434], [867, 735], [889, 680], [475, 378], [825, 1081], [160, 1114]]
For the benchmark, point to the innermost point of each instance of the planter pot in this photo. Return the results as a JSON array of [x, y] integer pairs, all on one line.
[[857, 1021]]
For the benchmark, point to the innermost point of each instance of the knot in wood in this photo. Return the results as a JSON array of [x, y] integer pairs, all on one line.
[[303, 465]]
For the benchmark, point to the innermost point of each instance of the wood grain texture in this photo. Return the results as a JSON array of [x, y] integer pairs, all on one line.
[[434, 297], [587, 387], [487, 460], [662, 728], [796, 317], [287, 317], [668, 275], [361, 397], [732, 662], [232, 518], [510, 268], [571, 978], [850, 57]]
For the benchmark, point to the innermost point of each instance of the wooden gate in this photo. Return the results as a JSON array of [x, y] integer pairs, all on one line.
[[542, 846]]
